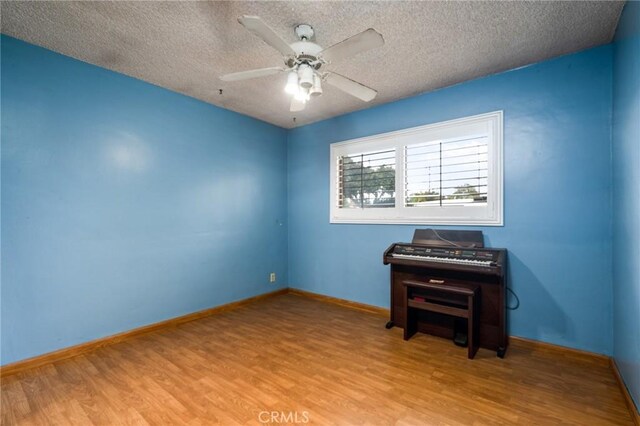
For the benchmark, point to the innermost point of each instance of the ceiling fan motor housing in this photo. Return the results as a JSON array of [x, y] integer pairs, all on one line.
[[306, 52]]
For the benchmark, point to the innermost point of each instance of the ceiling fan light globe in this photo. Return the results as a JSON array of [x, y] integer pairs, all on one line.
[[305, 74], [292, 83], [316, 90]]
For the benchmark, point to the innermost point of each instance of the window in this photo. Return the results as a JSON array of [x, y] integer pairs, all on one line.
[[443, 173], [367, 180]]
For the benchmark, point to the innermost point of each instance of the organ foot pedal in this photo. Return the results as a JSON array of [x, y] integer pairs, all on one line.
[[461, 339]]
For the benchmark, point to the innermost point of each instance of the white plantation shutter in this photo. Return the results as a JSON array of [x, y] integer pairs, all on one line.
[[443, 173], [367, 180], [453, 172]]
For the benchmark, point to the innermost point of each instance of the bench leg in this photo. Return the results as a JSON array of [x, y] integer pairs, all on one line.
[[472, 329], [410, 326]]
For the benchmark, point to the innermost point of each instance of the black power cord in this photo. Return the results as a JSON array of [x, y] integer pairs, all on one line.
[[451, 242], [513, 308]]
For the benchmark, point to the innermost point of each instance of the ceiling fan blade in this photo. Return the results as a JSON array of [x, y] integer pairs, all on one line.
[[362, 42], [262, 30], [297, 105], [245, 75], [351, 87]]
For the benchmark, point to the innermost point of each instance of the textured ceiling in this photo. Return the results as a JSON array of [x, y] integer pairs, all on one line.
[[185, 46]]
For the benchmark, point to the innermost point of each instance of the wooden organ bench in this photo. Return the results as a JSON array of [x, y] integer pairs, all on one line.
[[426, 297]]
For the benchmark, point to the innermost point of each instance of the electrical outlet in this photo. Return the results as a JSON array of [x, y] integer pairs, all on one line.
[[272, 277]]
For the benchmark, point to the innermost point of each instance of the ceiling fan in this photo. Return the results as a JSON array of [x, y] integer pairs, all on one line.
[[305, 60]]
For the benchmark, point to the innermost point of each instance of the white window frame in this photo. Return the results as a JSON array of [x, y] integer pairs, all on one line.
[[489, 214]]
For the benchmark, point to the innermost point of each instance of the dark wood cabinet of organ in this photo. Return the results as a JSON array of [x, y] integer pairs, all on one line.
[[447, 266]]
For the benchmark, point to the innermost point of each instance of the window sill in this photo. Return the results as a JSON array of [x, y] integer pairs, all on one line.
[[410, 221]]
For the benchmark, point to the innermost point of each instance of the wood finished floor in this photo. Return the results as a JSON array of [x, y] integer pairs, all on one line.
[[294, 354]]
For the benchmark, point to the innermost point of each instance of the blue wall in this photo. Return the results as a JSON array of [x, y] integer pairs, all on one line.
[[557, 197], [626, 197], [124, 204]]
